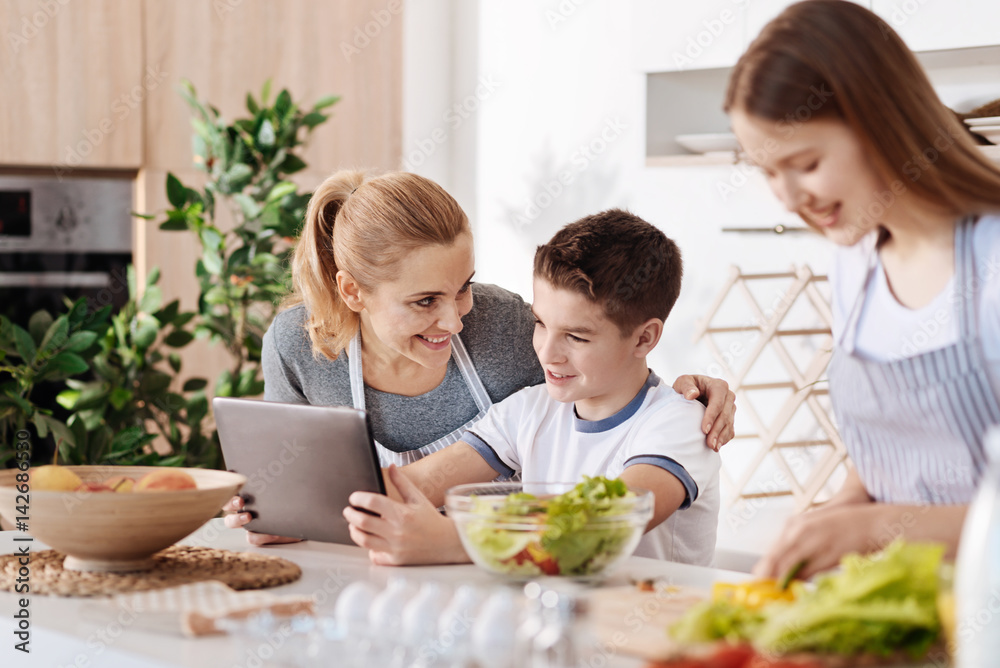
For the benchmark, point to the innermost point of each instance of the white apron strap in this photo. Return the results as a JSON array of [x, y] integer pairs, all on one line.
[[472, 381]]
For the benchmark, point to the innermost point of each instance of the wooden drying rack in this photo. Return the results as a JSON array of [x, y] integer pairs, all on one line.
[[806, 386]]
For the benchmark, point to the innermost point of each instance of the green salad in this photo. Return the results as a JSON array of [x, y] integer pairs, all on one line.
[[876, 605], [574, 533]]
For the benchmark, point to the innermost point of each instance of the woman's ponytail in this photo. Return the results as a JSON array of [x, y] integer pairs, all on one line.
[[314, 266]]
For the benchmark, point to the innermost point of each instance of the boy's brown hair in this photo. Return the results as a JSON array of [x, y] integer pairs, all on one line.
[[616, 259]]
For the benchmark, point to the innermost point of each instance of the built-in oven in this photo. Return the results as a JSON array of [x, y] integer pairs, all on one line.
[[63, 238]]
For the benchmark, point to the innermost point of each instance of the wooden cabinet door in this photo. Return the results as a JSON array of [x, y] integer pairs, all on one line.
[[74, 83]]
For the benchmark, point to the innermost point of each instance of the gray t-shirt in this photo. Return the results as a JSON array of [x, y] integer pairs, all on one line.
[[496, 332]]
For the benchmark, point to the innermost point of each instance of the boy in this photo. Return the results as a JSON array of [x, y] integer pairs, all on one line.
[[603, 288]]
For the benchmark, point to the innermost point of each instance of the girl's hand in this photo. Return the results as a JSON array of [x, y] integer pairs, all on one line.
[[720, 406], [410, 531], [236, 518]]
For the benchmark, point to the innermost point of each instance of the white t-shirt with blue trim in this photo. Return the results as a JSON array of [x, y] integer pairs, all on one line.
[[544, 440]]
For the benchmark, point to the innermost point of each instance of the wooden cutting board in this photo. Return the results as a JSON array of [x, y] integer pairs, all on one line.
[[633, 622]]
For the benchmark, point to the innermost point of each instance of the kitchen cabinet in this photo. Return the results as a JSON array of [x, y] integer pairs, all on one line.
[[80, 82], [934, 25], [674, 36]]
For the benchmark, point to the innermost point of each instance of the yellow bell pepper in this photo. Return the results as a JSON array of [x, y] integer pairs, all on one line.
[[753, 594]]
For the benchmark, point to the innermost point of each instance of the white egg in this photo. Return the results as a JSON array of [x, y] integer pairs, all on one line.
[[493, 633], [353, 604]]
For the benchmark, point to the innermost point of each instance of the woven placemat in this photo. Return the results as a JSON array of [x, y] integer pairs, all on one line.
[[176, 565]]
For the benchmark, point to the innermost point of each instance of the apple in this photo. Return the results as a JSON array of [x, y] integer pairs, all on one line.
[[54, 478], [165, 480], [93, 486], [120, 483]]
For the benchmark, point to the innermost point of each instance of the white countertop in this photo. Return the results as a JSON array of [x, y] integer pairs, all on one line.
[[63, 636]]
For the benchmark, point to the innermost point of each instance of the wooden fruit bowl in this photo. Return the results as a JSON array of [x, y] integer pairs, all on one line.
[[112, 531]]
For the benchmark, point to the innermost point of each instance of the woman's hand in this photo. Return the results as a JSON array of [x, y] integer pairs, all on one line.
[[720, 406], [410, 531], [236, 518], [821, 537]]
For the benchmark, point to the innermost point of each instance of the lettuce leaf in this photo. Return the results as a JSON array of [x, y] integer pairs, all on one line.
[[879, 604]]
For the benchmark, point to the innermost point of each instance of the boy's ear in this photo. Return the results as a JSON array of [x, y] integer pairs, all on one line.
[[349, 291], [647, 335]]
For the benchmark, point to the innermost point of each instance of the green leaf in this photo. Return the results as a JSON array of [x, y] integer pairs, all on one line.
[[217, 295], [252, 104], [63, 365], [212, 262], [144, 331], [68, 398], [183, 319], [265, 93], [151, 299], [250, 208], [24, 344], [41, 426], [154, 382], [39, 324], [314, 118], [174, 224], [167, 314], [174, 360], [224, 384], [176, 192], [197, 409], [265, 136], [236, 178], [119, 397], [154, 276], [283, 103], [56, 336], [211, 238], [13, 398], [144, 216], [80, 341], [195, 384], [280, 190], [291, 164], [178, 338], [78, 312], [325, 102]]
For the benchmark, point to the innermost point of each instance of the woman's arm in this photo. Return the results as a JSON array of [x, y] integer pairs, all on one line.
[[822, 536], [720, 406]]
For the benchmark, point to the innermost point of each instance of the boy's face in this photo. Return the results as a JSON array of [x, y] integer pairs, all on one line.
[[582, 352]]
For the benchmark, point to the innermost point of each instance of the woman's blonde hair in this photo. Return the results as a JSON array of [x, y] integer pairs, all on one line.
[[836, 59], [364, 225]]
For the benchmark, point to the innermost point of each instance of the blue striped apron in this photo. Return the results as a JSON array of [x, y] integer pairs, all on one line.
[[914, 427], [472, 381]]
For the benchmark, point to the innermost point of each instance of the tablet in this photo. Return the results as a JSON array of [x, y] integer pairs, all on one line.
[[301, 463]]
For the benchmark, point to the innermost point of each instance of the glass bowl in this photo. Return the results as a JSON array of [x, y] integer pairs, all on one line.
[[539, 533]]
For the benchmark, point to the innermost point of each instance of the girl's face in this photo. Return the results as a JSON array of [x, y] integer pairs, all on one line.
[[415, 314], [819, 170]]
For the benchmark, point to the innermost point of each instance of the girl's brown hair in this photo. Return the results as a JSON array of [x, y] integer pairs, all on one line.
[[364, 225], [836, 59]]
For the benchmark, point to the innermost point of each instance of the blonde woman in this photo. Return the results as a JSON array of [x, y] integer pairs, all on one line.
[[386, 317], [850, 134]]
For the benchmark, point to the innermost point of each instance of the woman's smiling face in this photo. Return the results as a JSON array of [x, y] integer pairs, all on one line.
[[416, 314], [819, 170]]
